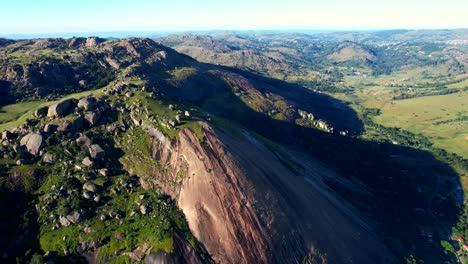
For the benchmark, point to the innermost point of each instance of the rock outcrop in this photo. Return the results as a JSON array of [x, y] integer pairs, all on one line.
[[245, 206]]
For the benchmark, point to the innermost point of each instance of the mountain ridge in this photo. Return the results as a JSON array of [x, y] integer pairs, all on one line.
[[263, 170]]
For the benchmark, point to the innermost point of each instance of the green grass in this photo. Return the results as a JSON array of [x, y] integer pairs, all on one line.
[[442, 118], [13, 115], [420, 115], [162, 110], [118, 235], [14, 112], [136, 144]]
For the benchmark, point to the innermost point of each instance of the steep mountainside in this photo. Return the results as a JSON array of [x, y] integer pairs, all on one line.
[[189, 162]]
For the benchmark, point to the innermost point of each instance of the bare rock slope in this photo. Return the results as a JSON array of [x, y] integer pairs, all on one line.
[[245, 206]]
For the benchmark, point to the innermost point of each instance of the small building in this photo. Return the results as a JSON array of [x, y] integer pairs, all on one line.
[[465, 247], [460, 239]]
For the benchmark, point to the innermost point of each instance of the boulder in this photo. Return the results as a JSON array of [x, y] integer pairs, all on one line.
[[143, 209], [49, 128], [7, 135], [87, 162], [64, 221], [64, 126], [162, 257], [90, 187], [48, 158], [86, 246], [83, 140], [74, 217], [41, 112], [16, 148], [140, 252], [96, 152], [87, 103], [93, 116], [104, 172], [61, 108], [87, 195], [75, 125], [33, 143]]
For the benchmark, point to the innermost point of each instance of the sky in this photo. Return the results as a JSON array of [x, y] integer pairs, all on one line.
[[47, 16]]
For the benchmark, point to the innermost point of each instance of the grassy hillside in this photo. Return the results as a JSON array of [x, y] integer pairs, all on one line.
[[443, 118]]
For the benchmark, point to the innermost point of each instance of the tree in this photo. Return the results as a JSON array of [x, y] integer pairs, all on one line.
[[448, 248]]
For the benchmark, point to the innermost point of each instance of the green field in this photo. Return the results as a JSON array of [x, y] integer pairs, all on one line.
[[14, 115], [441, 118]]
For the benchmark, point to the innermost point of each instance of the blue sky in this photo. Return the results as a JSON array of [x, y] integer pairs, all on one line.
[[42, 16]]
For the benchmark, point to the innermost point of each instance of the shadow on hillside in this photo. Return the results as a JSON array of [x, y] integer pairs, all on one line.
[[4, 93], [336, 112], [413, 195]]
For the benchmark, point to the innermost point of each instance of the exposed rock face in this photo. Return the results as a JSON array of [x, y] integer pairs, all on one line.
[[61, 108], [33, 143], [244, 206]]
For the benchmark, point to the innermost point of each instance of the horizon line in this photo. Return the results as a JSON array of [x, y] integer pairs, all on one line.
[[204, 29]]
